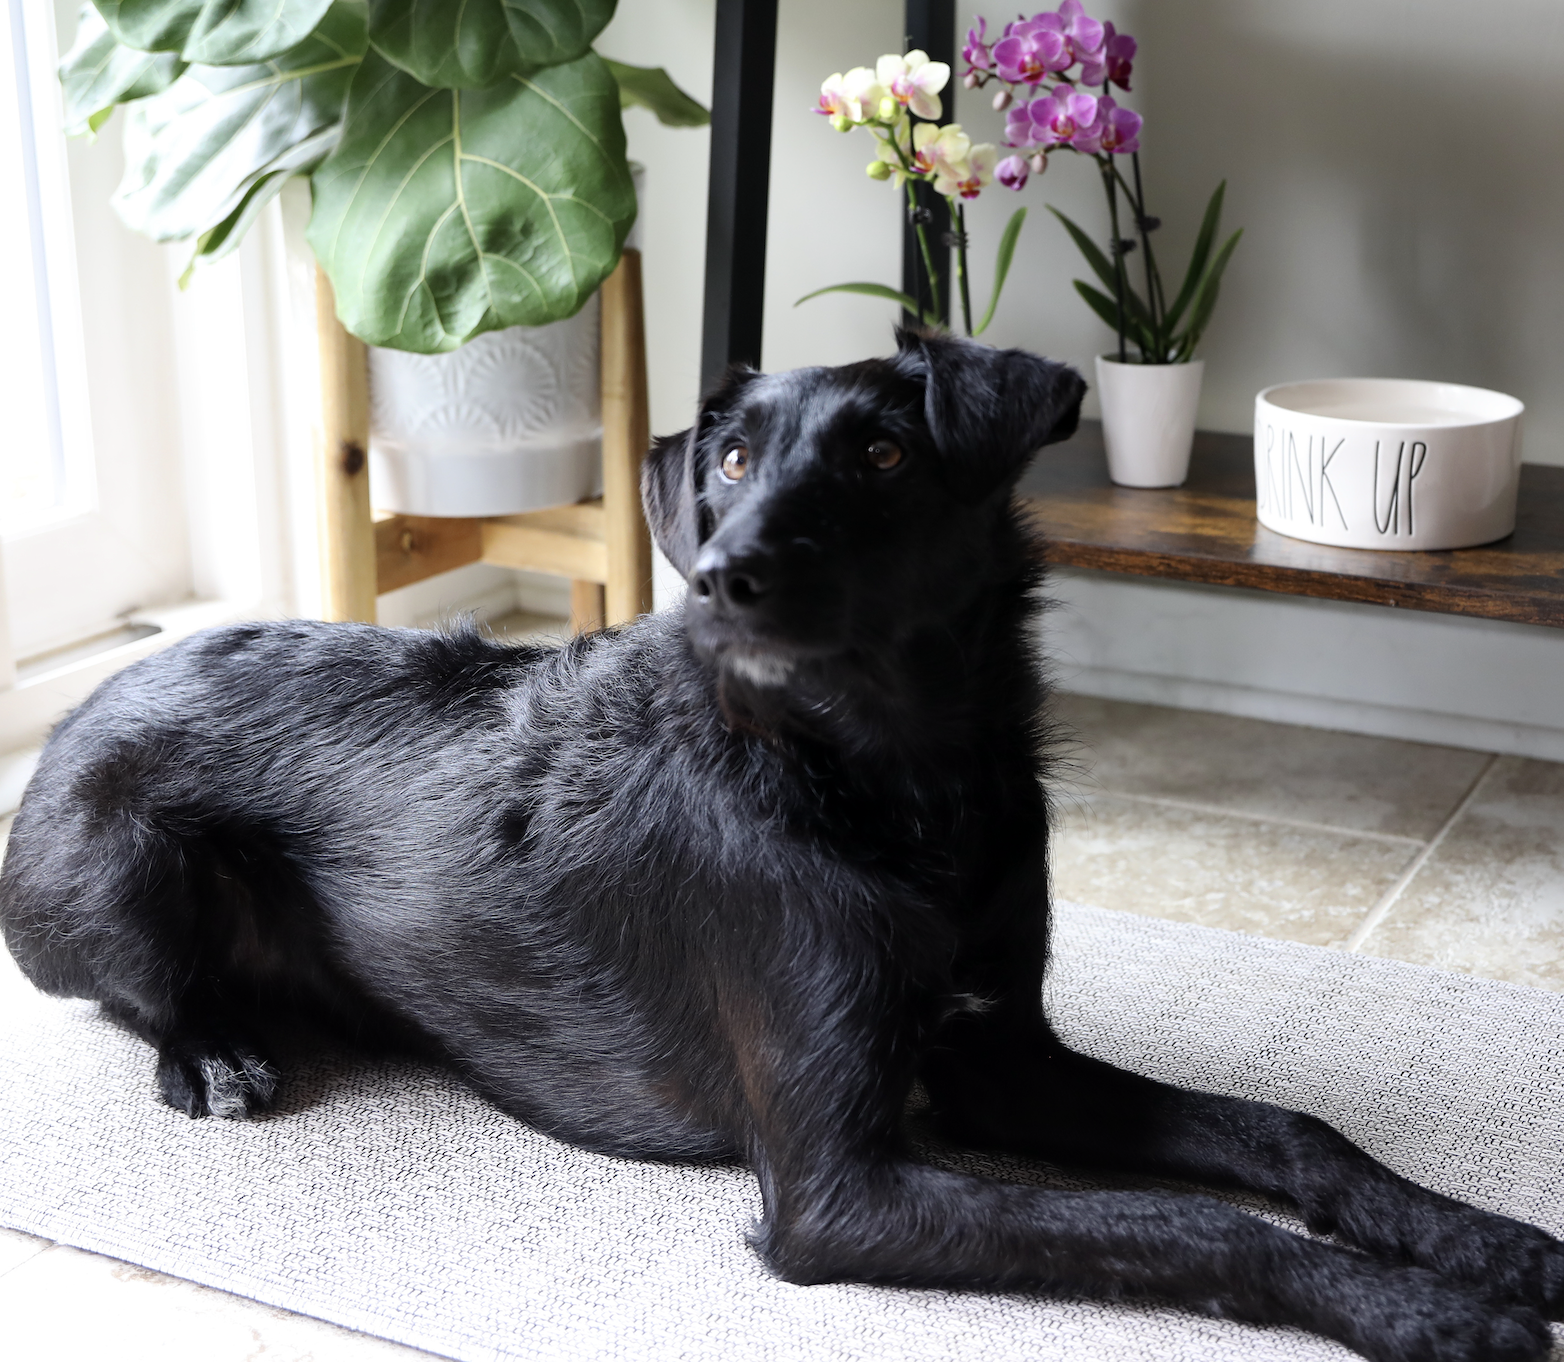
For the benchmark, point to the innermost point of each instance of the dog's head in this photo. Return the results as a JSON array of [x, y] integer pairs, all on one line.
[[815, 511]]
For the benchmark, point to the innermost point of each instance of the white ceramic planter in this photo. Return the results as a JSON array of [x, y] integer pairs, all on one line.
[[1387, 463], [1148, 420], [510, 422]]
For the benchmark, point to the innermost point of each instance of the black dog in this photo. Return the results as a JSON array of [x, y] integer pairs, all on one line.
[[727, 882]]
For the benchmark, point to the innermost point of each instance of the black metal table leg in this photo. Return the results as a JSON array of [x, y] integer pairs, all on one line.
[[931, 25], [740, 177]]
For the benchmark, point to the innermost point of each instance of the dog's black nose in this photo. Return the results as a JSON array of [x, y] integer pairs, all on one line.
[[725, 581]]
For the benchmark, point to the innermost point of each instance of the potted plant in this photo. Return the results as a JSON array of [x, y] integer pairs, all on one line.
[[467, 163], [898, 101], [1044, 67]]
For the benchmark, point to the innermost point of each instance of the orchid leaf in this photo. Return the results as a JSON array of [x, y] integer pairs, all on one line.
[[909, 304], [98, 73], [472, 45], [1198, 257], [446, 213], [213, 32], [194, 152], [652, 88], [1105, 308], [871, 290], [1205, 297], [1102, 267], [1007, 250]]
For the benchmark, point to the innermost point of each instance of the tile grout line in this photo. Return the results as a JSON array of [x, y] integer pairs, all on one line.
[[31, 1258], [1381, 910], [1216, 810]]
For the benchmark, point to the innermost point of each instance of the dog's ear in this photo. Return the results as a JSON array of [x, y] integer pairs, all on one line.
[[670, 497], [989, 410], [671, 479]]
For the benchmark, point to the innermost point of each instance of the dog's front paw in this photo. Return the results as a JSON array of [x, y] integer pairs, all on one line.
[[215, 1079], [1503, 1260], [1436, 1324]]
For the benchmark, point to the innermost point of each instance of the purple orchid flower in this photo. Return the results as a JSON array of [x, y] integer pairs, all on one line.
[[977, 53], [1031, 51], [1083, 33], [1118, 49], [1117, 131], [1061, 117], [1012, 172]]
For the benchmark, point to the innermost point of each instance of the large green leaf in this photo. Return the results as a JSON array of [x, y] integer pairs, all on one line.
[[98, 73], [213, 32], [652, 88], [446, 213], [468, 44], [194, 152]]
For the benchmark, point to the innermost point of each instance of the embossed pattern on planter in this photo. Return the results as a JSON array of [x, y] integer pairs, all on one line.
[[510, 422], [524, 385]]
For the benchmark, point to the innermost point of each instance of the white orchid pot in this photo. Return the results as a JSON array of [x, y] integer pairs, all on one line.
[[1148, 420], [510, 422]]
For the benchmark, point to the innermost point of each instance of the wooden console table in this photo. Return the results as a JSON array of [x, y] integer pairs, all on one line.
[[1206, 531]]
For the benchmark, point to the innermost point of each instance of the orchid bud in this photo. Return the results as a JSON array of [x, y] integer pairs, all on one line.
[[878, 170], [1002, 100], [970, 80], [842, 123], [1039, 163], [888, 110]]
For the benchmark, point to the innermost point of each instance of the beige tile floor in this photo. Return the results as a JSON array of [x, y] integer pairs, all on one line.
[[1435, 855], [1430, 854]]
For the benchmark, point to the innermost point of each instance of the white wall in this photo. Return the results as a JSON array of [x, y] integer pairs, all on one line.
[[1395, 167]]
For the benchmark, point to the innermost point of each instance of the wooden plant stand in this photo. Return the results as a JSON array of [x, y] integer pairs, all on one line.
[[601, 545]]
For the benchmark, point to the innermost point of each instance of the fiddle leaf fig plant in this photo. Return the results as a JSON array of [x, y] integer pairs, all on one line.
[[215, 32], [467, 162], [471, 45], [435, 222]]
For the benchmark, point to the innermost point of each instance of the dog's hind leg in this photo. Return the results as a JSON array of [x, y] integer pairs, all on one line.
[[141, 918], [1005, 1081], [888, 1220]]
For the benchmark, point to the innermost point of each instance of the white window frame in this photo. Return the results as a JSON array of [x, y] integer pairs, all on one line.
[[222, 380]]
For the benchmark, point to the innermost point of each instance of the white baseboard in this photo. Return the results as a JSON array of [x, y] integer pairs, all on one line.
[[1315, 711], [1482, 684]]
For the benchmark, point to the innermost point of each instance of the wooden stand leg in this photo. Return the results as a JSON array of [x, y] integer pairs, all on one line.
[[347, 534], [626, 433], [586, 606]]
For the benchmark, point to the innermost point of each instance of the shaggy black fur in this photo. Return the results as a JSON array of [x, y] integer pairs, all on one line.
[[726, 882]]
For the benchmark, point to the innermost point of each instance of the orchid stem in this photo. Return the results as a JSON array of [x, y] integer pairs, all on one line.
[[1139, 204], [927, 280], [1118, 251], [959, 214]]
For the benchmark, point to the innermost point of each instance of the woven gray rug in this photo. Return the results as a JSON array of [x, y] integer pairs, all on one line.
[[386, 1198]]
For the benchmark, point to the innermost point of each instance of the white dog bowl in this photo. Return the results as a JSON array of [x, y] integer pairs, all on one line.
[[1387, 463]]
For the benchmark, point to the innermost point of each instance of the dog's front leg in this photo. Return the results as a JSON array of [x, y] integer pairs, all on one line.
[[900, 1222], [1003, 1080]]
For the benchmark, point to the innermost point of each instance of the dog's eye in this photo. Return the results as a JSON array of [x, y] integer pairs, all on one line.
[[735, 463], [883, 454]]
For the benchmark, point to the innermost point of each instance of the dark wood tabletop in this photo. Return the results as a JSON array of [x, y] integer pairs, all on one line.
[[1206, 531]]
